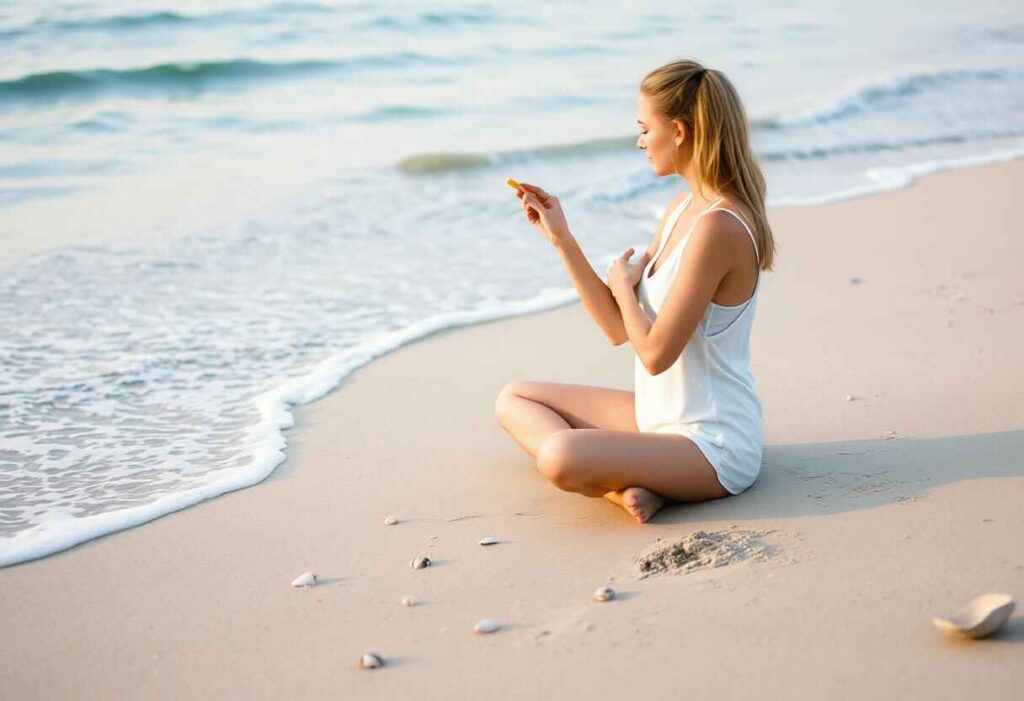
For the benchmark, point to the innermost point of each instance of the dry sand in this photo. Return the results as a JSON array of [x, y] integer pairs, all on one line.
[[870, 516]]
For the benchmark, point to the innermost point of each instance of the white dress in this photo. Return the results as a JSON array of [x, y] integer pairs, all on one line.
[[708, 394]]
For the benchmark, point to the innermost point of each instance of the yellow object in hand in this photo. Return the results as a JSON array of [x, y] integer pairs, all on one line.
[[512, 183]]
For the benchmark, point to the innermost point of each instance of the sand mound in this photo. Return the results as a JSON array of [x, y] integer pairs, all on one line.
[[701, 549]]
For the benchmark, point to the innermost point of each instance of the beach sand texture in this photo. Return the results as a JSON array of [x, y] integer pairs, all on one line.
[[870, 517]]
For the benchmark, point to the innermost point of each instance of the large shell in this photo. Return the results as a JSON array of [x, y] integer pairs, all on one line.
[[306, 579], [981, 617]]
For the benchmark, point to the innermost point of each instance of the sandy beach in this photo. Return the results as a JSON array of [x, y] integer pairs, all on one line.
[[871, 516]]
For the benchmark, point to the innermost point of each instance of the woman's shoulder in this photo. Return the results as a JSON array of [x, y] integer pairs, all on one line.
[[725, 231], [736, 207]]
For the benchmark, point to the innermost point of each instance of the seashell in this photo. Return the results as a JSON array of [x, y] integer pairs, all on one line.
[[371, 660], [982, 616], [488, 541], [409, 601], [390, 520], [306, 579], [486, 626], [849, 398], [419, 562], [604, 594]]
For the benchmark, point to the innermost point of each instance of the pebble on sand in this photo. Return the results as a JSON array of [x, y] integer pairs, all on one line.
[[419, 562], [390, 520], [306, 579], [409, 601], [488, 541], [849, 398], [371, 660], [604, 594], [486, 626]]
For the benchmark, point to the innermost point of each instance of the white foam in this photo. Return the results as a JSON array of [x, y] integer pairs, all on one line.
[[60, 530]]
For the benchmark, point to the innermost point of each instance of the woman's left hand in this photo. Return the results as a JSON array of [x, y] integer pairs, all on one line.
[[623, 275]]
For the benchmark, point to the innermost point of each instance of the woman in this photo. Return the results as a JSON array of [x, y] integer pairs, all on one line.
[[692, 429]]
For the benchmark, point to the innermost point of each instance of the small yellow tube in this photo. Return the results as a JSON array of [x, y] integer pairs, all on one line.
[[512, 183]]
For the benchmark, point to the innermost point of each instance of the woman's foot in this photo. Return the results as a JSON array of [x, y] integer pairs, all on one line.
[[640, 503]]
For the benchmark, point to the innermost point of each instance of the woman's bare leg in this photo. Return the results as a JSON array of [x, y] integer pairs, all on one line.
[[594, 462], [533, 412]]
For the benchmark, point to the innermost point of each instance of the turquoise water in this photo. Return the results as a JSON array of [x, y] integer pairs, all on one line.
[[208, 215]]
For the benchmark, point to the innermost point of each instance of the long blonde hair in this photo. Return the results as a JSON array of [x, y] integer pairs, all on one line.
[[708, 104]]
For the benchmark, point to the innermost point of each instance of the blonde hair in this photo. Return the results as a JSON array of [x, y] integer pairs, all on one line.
[[708, 104]]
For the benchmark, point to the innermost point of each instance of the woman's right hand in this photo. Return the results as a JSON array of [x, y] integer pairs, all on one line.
[[544, 211]]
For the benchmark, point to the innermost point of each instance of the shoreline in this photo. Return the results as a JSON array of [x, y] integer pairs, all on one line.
[[206, 605], [278, 406]]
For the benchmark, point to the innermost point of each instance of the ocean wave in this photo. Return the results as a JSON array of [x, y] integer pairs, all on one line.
[[431, 19], [435, 162], [162, 77], [438, 162], [869, 95], [163, 19]]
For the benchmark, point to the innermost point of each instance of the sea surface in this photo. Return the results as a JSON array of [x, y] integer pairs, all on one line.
[[211, 212]]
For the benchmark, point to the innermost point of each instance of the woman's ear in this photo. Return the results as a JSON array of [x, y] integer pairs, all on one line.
[[680, 136]]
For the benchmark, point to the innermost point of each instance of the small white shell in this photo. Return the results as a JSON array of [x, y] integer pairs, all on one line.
[[419, 562], [488, 541], [486, 626], [409, 601], [306, 579], [849, 398], [390, 520], [604, 594], [371, 660]]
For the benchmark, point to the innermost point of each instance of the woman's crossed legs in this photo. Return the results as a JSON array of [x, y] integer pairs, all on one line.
[[585, 439]]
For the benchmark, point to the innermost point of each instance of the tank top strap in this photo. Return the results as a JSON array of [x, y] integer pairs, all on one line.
[[696, 219], [670, 224], [745, 226]]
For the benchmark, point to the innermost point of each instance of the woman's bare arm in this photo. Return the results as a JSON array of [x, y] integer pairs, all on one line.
[[596, 296]]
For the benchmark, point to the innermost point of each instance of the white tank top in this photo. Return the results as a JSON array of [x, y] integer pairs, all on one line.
[[708, 394]]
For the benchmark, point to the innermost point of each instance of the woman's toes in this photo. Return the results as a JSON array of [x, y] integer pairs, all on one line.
[[641, 503]]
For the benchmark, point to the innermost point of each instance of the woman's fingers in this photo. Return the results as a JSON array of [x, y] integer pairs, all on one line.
[[536, 190]]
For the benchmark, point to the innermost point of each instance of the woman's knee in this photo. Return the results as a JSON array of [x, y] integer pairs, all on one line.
[[556, 460], [505, 399]]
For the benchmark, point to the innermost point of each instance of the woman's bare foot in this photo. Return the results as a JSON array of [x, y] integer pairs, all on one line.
[[640, 503]]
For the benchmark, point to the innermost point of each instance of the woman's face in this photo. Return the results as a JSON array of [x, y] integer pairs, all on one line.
[[659, 138]]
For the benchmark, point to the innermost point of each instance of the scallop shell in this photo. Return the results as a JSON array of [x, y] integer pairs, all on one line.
[[486, 626], [604, 594], [488, 541], [390, 520], [982, 616], [306, 579], [419, 562], [371, 660], [409, 601]]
